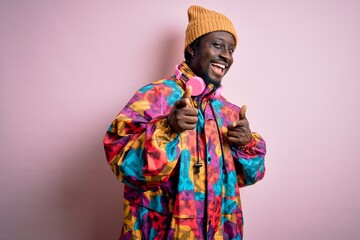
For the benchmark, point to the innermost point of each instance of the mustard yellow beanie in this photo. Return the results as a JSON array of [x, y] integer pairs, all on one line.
[[203, 21]]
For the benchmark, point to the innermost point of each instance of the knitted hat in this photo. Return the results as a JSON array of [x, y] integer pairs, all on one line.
[[203, 21]]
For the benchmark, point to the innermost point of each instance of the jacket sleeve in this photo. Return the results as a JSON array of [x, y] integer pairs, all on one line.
[[250, 161], [140, 146]]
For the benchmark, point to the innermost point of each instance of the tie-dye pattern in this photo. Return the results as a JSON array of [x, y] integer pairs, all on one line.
[[165, 197]]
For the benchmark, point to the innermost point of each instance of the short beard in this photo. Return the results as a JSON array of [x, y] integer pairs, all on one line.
[[208, 80]]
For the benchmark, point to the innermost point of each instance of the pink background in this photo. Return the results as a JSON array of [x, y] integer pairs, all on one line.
[[68, 67]]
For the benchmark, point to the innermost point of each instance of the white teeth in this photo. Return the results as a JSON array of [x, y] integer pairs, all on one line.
[[218, 65]]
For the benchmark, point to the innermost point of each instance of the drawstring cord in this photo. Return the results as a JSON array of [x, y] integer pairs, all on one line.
[[198, 164]]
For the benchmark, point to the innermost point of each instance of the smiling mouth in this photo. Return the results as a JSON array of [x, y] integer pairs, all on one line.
[[218, 68]]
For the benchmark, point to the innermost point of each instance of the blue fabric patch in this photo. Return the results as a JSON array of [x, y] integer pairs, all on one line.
[[152, 233], [156, 204], [146, 88], [251, 168], [218, 188], [142, 211], [185, 182], [217, 106], [231, 183], [199, 196], [133, 163], [171, 149], [200, 123], [176, 92], [229, 206]]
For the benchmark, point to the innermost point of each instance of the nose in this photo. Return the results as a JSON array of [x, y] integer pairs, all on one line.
[[226, 55]]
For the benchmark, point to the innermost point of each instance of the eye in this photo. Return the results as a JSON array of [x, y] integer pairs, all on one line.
[[231, 50], [218, 45]]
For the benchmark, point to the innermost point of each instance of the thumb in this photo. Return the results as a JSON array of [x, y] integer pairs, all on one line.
[[185, 100], [188, 92], [242, 112]]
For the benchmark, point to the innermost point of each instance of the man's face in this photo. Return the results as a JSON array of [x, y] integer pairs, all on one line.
[[213, 56]]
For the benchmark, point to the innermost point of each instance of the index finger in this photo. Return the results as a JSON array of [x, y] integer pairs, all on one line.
[[242, 112]]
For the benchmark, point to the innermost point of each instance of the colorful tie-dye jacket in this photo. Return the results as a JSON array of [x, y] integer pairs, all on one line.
[[165, 195]]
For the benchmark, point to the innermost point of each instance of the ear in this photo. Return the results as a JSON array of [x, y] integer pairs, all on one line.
[[190, 50]]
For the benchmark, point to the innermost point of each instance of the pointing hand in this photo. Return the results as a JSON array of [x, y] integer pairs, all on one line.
[[183, 116], [239, 133]]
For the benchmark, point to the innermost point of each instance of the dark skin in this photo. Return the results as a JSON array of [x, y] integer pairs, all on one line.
[[210, 60]]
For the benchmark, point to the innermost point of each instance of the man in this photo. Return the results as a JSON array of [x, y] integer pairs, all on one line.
[[182, 150]]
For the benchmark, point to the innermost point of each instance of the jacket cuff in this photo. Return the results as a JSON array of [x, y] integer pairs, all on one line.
[[165, 126], [249, 148]]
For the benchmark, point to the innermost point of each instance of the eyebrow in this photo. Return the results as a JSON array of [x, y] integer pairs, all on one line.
[[219, 38]]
